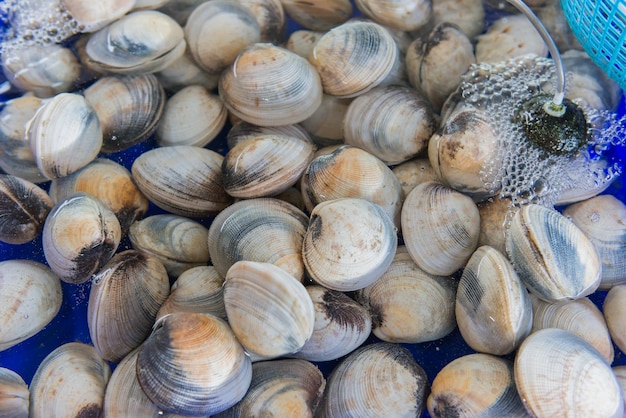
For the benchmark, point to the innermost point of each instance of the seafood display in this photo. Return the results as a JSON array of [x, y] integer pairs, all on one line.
[[408, 208]]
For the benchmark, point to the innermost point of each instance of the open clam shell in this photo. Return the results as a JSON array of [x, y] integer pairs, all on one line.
[[14, 394]]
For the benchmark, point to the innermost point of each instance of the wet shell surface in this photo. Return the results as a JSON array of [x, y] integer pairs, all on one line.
[[183, 180], [614, 314], [24, 207], [552, 256], [494, 216], [475, 385], [65, 135], [440, 227], [30, 297], [265, 165], [192, 364], [394, 123], [270, 86], [413, 172], [302, 41], [69, 382], [184, 72], [341, 325], [128, 108], [179, 243], [269, 310], [241, 131], [408, 305], [124, 299], [280, 388], [380, 379], [270, 16], [509, 37], [326, 124], [405, 15], [320, 15], [14, 394], [92, 17], [349, 244], [493, 309], [559, 373], [264, 230], [80, 235]]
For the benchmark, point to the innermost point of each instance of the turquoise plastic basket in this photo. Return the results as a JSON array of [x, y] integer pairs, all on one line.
[[599, 26]]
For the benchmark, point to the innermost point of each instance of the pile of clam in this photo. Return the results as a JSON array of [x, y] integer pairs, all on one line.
[[345, 217]]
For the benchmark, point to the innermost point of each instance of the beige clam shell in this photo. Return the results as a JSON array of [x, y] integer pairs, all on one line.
[[14, 394], [413, 172], [614, 310], [405, 15], [94, 16], [270, 15], [320, 15], [242, 130]]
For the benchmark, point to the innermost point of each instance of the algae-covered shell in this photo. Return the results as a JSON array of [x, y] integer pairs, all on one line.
[[14, 394]]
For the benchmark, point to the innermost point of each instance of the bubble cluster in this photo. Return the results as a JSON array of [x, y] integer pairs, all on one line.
[[522, 171]]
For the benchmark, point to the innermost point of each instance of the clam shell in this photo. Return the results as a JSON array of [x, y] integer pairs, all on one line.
[[495, 214], [183, 72], [280, 388], [614, 314], [263, 230], [242, 130], [95, 16], [413, 172], [128, 108], [440, 227], [124, 299], [270, 86], [493, 308], [182, 179], [603, 220], [394, 123], [320, 15], [30, 297], [405, 15], [192, 364], [468, 15], [270, 16], [65, 135], [14, 394], [341, 325], [552, 256], [326, 124], [559, 373], [178, 242], [580, 317], [302, 41], [509, 37], [408, 305], [69, 382], [269, 311], [380, 379], [192, 116], [111, 183], [217, 31], [620, 373], [476, 385], [265, 165], [349, 244], [80, 235], [24, 207]]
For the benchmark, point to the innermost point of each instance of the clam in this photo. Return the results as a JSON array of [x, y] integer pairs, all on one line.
[[559, 373], [179, 243], [144, 41], [263, 230], [603, 220], [192, 116], [320, 15], [15, 157], [380, 379], [280, 388], [269, 310], [356, 57], [184, 72], [468, 15], [614, 315], [69, 382], [440, 227], [270, 86], [217, 31], [493, 308], [64, 135], [326, 124], [580, 317], [405, 15], [91, 17], [111, 183], [24, 207], [128, 108], [14, 394], [265, 165], [475, 385], [550, 13], [349, 244], [509, 37], [30, 297], [241, 131], [350, 172], [270, 16], [182, 179], [341, 325], [552, 256], [149, 4], [179, 10], [124, 299], [394, 123], [192, 364], [620, 373], [302, 41], [495, 214], [413, 172], [200, 290], [80, 235], [408, 305], [44, 70]]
